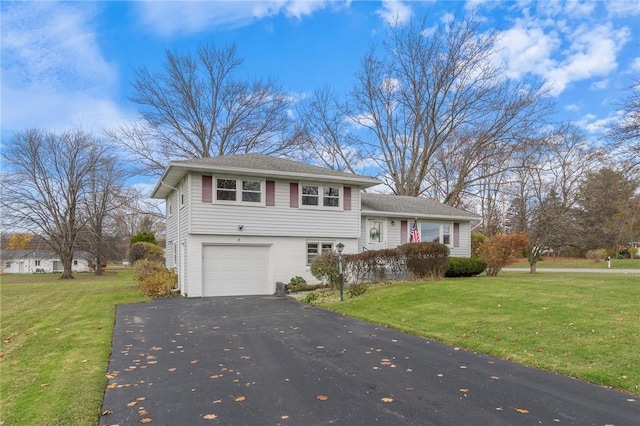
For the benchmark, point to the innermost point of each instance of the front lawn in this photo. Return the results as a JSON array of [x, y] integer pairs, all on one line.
[[56, 342], [581, 325], [580, 263]]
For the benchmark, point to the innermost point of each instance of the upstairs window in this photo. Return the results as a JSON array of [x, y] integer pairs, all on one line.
[[239, 190], [320, 196]]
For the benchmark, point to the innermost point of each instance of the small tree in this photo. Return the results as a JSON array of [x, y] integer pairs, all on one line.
[[499, 250], [143, 237], [325, 268], [144, 250]]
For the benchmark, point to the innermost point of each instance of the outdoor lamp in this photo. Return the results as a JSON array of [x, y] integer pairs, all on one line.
[[340, 247]]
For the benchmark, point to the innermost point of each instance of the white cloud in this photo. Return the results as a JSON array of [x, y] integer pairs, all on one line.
[[167, 18], [624, 8], [395, 12], [53, 74], [635, 65]]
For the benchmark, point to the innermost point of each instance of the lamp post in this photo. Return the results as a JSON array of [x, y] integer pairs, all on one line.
[[340, 247]]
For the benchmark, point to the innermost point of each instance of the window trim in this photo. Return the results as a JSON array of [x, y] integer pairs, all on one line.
[[320, 247], [441, 233], [321, 196], [239, 191]]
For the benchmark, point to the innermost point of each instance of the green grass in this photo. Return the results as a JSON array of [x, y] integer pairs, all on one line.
[[581, 325], [56, 342], [580, 263]]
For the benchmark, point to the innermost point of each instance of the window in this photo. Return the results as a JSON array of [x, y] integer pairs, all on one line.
[[315, 248], [446, 234], [430, 232], [226, 189], [311, 196], [37, 263], [239, 190], [75, 263], [251, 191]]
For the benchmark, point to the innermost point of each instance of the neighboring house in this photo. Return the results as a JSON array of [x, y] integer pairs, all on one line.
[[237, 224], [41, 261]]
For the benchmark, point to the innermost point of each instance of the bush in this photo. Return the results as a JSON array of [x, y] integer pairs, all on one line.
[[153, 278], [425, 260], [499, 250], [309, 297], [596, 255], [145, 251], [295, 288], [143, 237], [325, 268], [465, 267], [477, 238], [355, 290], [297, 280]]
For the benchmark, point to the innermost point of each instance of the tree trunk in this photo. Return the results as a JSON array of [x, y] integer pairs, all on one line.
[[532, 266]]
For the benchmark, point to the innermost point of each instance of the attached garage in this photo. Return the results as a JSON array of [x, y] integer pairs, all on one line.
[[235, 270]]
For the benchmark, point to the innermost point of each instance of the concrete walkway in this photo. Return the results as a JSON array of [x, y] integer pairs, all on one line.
[[275, 361]]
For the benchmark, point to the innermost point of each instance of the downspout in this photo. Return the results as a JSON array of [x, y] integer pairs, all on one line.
[[179, 258]]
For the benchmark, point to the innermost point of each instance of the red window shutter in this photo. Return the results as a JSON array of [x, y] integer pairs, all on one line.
[[403, 231], [207, 189], [293, 195], [270, 198], [456, 235], [347, 198]]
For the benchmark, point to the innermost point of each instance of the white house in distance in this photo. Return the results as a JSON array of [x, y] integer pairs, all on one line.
[[238, 224], [41, 261]]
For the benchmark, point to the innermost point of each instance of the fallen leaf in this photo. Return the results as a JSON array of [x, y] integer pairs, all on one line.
[[142, 398], [285, 417], [631, 400], [239, 399], [172, 369], [408, 388], [106, 412], [132, 403], [495, 377], [44, 385], [464, 390], [217, 401], [322, 397], [522, 411], [142, 412], [385, 399], [245, 357], [195, 361], [209, 417], [146, 420], [215, 376]]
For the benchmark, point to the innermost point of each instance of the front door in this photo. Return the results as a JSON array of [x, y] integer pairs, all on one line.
[[376, 233]]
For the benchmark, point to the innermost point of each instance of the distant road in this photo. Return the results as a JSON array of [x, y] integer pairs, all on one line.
[[585, 270]]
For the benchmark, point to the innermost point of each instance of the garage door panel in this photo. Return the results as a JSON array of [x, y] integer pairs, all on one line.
[[235, 270]]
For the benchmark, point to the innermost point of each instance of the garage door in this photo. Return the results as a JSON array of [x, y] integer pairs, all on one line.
[[235, 270]]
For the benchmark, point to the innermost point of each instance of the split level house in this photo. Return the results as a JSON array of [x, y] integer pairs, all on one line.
[[238, 224]]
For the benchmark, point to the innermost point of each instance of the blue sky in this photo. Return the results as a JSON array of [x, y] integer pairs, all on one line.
[[69, 64]]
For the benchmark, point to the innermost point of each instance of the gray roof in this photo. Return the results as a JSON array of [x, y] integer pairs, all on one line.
[[414, 207], [255, 165]]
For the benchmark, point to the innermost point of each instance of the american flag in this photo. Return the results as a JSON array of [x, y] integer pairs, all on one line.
[[414, 236]]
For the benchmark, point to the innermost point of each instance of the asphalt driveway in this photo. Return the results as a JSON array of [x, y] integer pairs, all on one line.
[[275, 361]]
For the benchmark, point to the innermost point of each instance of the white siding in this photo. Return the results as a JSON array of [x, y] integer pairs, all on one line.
[[278, 220]]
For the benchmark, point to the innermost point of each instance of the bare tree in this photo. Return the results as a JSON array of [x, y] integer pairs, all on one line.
[[103, 195], [43, 185], [196, 107], [430, 96], [626, 132]]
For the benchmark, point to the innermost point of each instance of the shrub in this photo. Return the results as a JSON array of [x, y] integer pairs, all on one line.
[[297, 280], [477, 238], [465, 266], [153, 278], [355, 290], [145, 251], [425, 260], [295, 288], [499, 250], [309, 297], [143, 237], [325, 268], [596, 255]]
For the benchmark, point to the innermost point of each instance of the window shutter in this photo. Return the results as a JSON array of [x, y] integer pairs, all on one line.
[[403, 231], [207, 189], [270, 198], [293, 195], [347, 198], [456, 234]]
